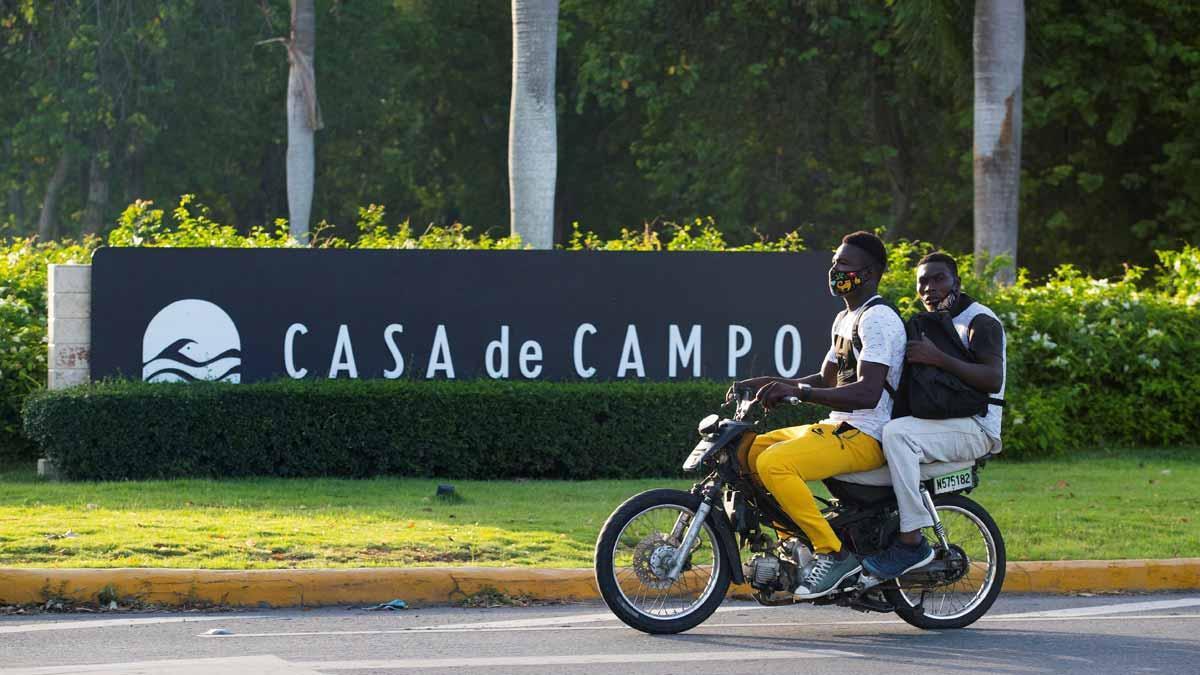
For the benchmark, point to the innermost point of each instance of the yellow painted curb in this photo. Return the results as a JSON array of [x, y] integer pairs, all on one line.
[[434, 586], [1074, 576]]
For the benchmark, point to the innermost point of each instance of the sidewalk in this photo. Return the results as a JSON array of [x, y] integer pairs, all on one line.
[[441, 585]]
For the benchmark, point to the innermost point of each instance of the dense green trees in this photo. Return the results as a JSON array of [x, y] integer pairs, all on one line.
[[768, 115]]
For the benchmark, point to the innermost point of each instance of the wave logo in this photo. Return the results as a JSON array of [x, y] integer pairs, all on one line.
[[191, 340]]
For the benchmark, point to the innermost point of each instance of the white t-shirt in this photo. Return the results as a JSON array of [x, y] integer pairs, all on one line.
[[883, 339]]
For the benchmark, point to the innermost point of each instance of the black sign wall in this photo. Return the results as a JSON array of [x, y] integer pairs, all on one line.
[[255, 314]]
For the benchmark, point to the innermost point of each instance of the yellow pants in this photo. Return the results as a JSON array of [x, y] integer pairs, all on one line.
[[783, 459]]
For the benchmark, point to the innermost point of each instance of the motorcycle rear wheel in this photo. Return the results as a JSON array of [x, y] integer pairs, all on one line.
[[959, 603], [635, 547]]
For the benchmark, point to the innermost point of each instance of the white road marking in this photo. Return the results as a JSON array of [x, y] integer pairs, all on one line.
[[568, 619], [579, 660], [259, 665], [709, 626], [117, 623], [1118, 608]]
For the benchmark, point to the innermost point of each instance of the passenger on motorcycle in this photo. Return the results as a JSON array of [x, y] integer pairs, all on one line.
[[860, 373], [909, 442]]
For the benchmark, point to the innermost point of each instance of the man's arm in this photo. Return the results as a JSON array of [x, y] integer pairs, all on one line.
[[858, 395], [863, 394], [985, 339], [826, 378]]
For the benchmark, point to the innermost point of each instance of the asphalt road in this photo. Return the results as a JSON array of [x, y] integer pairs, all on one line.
[[1157, 633]]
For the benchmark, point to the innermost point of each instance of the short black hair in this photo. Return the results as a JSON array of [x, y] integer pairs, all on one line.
[[942, 257], [871, 244]]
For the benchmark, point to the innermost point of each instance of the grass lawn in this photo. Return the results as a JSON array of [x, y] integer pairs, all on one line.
[[1104, 505]]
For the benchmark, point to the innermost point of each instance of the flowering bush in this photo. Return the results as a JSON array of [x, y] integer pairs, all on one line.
[[1091, 361], [23, 323]]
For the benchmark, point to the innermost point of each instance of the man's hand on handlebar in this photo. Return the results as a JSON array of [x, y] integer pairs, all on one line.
[[751, 385], [746, 386], [775, 392]]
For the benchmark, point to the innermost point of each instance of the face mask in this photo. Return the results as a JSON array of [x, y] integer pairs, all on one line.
[[947, 302], [841, 283]]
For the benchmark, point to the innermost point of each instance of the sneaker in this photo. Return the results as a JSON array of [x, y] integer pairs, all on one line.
[[827, 573], [898, 559]]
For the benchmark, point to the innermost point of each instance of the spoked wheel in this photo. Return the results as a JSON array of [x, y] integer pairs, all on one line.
[[635, 552], [963, 582]]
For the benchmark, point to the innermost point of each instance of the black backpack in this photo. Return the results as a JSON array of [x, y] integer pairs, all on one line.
[[931, 393]]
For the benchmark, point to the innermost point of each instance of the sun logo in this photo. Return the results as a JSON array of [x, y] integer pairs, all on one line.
[[191, 340]]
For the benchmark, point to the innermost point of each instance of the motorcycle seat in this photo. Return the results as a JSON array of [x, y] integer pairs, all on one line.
[[881, 477]]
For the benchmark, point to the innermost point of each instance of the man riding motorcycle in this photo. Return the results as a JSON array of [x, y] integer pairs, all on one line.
[[858, 379]]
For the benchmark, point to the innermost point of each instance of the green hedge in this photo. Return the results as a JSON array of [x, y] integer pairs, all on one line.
[[479, 429]]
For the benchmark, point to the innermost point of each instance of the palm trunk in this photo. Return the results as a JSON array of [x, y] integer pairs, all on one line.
[[999, 58], [48, 219], [304, 117], [532, 133]]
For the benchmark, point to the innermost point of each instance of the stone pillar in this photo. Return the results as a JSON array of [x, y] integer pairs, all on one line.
[[69, 325], [69, 332]]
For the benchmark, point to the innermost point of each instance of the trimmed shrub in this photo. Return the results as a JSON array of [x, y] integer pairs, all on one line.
[[477, 429]]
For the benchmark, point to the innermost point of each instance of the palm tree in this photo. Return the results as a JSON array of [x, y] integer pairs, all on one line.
[[999, 58], [532, 134], [303, 115]]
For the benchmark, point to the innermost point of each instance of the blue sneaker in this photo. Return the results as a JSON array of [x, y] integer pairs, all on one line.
[[898, 559]]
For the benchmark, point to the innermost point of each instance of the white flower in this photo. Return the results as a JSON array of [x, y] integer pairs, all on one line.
[[1018, 420], [1059, 361], [1153, 333]]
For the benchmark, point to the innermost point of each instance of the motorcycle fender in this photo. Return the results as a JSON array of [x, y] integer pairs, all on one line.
[[729, 547]]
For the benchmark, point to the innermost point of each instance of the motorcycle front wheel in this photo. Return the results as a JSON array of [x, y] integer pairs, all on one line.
[[634, 553], [960, 599]]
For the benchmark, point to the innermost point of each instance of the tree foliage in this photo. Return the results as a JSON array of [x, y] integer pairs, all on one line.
[[770, 116]]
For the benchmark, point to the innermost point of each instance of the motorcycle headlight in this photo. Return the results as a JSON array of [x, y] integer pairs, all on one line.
[[708, 425]]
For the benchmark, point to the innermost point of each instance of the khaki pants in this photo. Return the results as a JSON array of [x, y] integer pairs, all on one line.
[[909, 442], [783, 459]]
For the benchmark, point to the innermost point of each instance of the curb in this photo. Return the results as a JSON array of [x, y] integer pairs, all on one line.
[[423, 586]]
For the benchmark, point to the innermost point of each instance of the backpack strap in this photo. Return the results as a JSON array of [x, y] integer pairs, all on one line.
[[856, 342]]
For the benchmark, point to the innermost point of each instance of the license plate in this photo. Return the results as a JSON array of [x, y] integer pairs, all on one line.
[[952, 482], [697, 455]]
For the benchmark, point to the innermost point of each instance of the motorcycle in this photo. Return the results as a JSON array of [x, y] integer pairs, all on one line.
[[665, 558]]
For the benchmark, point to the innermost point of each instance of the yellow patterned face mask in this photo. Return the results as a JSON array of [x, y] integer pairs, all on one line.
[[841, 283]]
